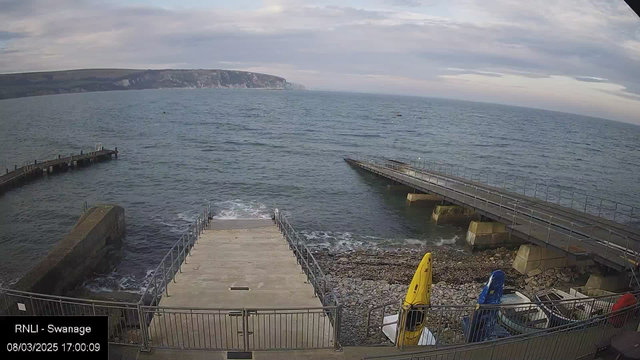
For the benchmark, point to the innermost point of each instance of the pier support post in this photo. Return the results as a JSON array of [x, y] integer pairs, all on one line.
[[486, 235], [116, 152], [531, 257], [453, 214], [423, 199]]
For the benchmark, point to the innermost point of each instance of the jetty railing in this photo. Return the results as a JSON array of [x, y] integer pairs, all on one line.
[[560, 195], [567, 342], [172, 262], [450, 325], [306, 259], [615, 248], [315, 275]]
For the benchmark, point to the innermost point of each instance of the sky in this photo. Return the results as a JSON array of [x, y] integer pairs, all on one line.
[[578, 56]]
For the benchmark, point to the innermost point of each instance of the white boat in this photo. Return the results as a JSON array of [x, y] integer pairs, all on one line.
[[390, 328], [602, 303], [518, 315], [562, 307]]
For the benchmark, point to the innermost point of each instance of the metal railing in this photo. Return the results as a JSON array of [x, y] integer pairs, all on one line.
[[306, 259], [171, 263], [560, 195], [513, 210], [124, 318], [461, 324], [315, 275], [570, 341], [242, 329]]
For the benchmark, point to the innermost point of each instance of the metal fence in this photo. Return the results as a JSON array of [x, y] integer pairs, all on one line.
[[449, 325], [613, 247], [124, 318], [172, 262], [561, 195], [570, 341], [242, 329]]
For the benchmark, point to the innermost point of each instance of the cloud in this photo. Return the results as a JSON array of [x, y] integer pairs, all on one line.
[[404, 46]]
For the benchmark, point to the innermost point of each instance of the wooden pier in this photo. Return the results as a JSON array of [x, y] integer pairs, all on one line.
[[21, 175]]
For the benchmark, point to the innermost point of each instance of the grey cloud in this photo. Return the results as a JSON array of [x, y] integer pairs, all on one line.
[[6, 35], [341, 40], [407, 3]]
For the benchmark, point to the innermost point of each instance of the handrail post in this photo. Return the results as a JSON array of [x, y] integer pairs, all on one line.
[[572, 195], [164, 279], [600, 208], [245, 330], [570, 236], [530, 222], [143, 329], [184, 248], [179, 260], [337, 324], [172, 273], [546, 198], [549, 228]]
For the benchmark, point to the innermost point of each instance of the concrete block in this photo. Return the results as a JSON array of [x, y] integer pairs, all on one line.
[[79, 253], [453, 214], [532, 257], [484, 235], [415, 199], [612, 283]]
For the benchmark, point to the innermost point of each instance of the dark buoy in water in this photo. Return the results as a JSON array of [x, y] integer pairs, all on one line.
[[164, 112], [398, 114]]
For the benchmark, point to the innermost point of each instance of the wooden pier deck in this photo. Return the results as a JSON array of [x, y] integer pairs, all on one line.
[[30, 172], [576, 233]]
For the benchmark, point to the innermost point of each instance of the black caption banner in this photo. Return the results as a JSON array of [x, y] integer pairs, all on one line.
[[45, 337]]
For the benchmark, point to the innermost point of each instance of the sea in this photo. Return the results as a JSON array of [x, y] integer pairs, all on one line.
[[246, 152]]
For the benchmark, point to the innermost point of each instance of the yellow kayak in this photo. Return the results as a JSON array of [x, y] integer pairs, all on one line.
[[419, 293]]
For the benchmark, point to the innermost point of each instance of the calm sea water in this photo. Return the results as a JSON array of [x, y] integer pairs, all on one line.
[[248, 151]]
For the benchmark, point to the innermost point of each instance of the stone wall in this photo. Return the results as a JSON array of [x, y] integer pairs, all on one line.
[[75, 256]]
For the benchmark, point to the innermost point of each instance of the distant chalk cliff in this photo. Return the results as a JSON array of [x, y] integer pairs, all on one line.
[[85, 80]]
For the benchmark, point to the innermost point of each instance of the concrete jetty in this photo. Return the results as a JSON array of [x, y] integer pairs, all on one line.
[[100, 228], [578, 234], [20, 175], [241, 288]]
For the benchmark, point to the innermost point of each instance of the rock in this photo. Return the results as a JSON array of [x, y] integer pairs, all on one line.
[[534, 272], [343, 260], [471, 295], [528, 280]]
